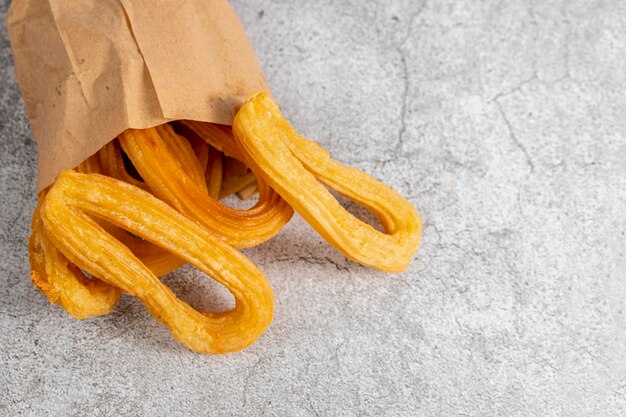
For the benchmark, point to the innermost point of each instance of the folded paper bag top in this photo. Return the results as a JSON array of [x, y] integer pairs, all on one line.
[[90, 69]]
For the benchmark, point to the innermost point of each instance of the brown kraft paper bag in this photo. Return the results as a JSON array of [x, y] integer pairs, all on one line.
[[90, 69]]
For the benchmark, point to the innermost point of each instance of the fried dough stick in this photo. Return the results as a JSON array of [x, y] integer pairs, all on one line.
[[214, 172], [64, 283], [167, 179], [112, 164], [218, 136], [181, 149], [295, 166], [238, 178], [66, 218], [61, 281], [108, 161]]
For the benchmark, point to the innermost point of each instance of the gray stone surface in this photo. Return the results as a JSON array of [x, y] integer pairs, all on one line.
[[502, 121]]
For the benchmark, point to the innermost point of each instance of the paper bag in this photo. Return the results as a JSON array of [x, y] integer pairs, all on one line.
[[89, 69]]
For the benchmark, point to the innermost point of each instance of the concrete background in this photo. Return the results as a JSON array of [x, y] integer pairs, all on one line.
[[502, 121]]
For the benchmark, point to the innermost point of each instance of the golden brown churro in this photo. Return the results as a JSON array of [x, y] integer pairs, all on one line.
[[148, 202]]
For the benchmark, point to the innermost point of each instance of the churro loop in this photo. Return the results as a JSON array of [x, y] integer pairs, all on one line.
[[61, 281], [64, 283], [108, 161], [167, 179], [66, 213], [292, 165]]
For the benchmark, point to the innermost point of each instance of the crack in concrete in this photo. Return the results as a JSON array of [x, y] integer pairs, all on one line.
[[335, 356], [405, 104], [246, 385], [314, 261], [515, 88], [405, 76], [514, 138], [308, 399]]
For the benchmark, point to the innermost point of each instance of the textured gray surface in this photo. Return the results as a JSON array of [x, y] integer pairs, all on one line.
[[502, 121]]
